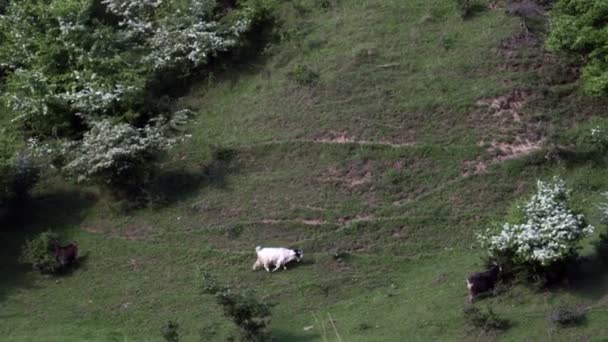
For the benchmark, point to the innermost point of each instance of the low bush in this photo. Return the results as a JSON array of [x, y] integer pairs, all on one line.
[[251, 316], [485, 320], [38, 253], [545, 234], [169, 331], [468, 8], [303, 76], [567, 316]]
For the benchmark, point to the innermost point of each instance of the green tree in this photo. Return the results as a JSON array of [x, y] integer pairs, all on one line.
[[578, 28]]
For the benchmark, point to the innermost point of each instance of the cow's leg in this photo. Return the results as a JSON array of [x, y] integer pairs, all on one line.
[[266, 267], [277, 266]]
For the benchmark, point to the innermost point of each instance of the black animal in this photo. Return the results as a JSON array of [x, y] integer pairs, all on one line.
[[482, 282], [65, 255]]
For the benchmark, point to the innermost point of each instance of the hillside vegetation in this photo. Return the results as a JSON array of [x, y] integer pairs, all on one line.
[[379, 136]]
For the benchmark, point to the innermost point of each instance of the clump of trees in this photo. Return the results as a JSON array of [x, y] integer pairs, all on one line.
[[578, 28], [544, 235], [87, 80]]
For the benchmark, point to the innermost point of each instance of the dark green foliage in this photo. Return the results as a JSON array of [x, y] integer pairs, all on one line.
[[3, 6], [484, 320], [251, 316], [579, 29], [38, 253], [468, 8], [169, 331], [601, 245], [567, 316], [304, 76]]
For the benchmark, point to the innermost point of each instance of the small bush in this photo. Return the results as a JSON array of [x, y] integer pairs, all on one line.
[[590, 137], [468, 8], [38, 252], [567, 316], [486, 321], [304, 76], [545, 238], [251, 316], [169, 331]]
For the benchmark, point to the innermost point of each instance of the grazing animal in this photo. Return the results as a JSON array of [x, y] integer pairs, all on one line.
[[482, 282], [279, 257], [65, 255]]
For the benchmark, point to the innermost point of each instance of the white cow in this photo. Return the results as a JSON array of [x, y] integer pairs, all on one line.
[[279, 257]]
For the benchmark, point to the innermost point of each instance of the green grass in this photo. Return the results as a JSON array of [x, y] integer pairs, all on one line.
[[398, 85]]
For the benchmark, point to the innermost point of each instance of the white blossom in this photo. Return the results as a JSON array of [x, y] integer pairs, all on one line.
[[550, 230]]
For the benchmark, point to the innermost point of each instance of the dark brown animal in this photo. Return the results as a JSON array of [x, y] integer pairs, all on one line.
[[482, 282], [65, 255]]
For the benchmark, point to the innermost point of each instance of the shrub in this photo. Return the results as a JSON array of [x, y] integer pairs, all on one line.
[[589, 137], [169, 331], [547, 234], [38, 252], [304, 76], [578, 29], [251, 316], [468, 8], [486, 321], [565, 316], [118, 156]]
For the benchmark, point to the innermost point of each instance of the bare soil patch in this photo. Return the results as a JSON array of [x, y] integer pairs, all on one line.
[[345, 138], [350, 176]]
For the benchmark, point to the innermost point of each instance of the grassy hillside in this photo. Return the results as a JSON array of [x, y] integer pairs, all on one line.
[[386, 131]]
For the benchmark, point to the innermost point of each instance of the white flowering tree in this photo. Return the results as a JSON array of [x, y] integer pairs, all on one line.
[[118, 155], [93, 74], [549, 232], [98, 58]]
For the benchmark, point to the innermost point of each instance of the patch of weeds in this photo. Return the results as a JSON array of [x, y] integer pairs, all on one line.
[[207, 333], [234, 231], [340, 256], [447, 42], [567, 316], [327, 5], [363, 327], [469, 8], [169, 331], [251, 316], [365, 54], [486, 320], [303, 76]]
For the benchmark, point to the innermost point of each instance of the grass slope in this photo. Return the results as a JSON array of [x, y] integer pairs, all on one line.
[[393, 159]]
